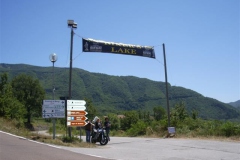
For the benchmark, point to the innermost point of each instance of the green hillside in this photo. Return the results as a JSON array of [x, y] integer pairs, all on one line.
[[119, 93], [235, 104]]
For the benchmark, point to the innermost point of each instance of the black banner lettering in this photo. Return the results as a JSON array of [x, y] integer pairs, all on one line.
[[91, 45]]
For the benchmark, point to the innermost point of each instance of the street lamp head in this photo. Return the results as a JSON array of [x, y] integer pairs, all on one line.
[[53, 57], [72, 24]]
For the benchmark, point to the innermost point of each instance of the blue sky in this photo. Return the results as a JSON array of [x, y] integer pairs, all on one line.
[[202, 39]]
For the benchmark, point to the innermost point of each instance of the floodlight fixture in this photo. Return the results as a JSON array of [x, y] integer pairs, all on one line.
[[72, 24]]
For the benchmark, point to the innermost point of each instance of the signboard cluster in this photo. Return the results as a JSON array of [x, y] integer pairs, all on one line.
[[76, 114]]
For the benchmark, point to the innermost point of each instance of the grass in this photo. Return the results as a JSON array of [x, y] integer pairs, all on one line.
[[61, 139], [11, 127]]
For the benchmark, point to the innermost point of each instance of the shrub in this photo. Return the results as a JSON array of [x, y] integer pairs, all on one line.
[[67, 139], [137, 129], [228, 129]]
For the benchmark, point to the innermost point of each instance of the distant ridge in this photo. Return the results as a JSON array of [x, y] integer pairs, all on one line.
[[235, 104], [114, 94]]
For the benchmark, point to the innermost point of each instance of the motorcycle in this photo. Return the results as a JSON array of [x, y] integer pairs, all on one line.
[[102, 136]]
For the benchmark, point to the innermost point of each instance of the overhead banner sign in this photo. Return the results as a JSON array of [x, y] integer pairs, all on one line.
[[91, 45]]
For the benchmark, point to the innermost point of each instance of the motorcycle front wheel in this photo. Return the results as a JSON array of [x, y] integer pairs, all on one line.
[[93, 140], [104, 140]]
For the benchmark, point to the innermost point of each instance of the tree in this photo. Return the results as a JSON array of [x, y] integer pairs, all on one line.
[[159, 113], [13, 108], [131, 118], [144, 115], [114, 120], [10, 107], [194, 114], [30, 93], [3, 86], [178, 113], [92, 112]]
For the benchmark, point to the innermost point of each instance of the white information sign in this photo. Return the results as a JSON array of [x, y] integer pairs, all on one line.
[[78, 108], [76, 102], [53, 109]]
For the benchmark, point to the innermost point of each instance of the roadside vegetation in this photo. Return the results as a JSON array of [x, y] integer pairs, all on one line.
[[20, 114], [116, 94]]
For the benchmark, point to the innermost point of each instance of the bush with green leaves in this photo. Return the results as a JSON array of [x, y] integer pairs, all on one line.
[[137, 129], [228, 129], [114, 121], [72, 139], [131, 118]]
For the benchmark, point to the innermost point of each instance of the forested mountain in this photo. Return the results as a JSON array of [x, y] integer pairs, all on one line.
[[235, 104], [119, 93]]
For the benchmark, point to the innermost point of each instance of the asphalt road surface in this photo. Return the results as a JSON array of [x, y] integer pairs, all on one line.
[[125, 148], [18, 148], [122, 148]]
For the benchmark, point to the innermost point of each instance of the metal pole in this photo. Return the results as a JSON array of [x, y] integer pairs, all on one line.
[[54, 122], [166, 83], [70, 76], [70, 73], [80, 133], [66, 116]]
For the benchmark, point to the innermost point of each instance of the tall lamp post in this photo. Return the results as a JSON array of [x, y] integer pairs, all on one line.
[[53, 58], [72, 25]]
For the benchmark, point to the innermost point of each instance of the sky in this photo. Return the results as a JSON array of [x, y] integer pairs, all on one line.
[[201, 37]]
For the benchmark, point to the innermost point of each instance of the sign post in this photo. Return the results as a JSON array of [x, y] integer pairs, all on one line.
[[53, 109]]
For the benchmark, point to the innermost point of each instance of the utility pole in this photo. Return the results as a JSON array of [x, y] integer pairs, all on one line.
[[166, 83], [72, 25]]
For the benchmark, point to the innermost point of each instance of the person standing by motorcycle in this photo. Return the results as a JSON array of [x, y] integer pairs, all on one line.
[[97, 126], [107, 126], [88, 129]]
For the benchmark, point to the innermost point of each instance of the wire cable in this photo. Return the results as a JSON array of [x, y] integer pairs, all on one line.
[[159, 61], [77, 56]]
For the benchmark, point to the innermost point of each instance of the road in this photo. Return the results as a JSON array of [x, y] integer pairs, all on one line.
[[18, 148], [125, 148]]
